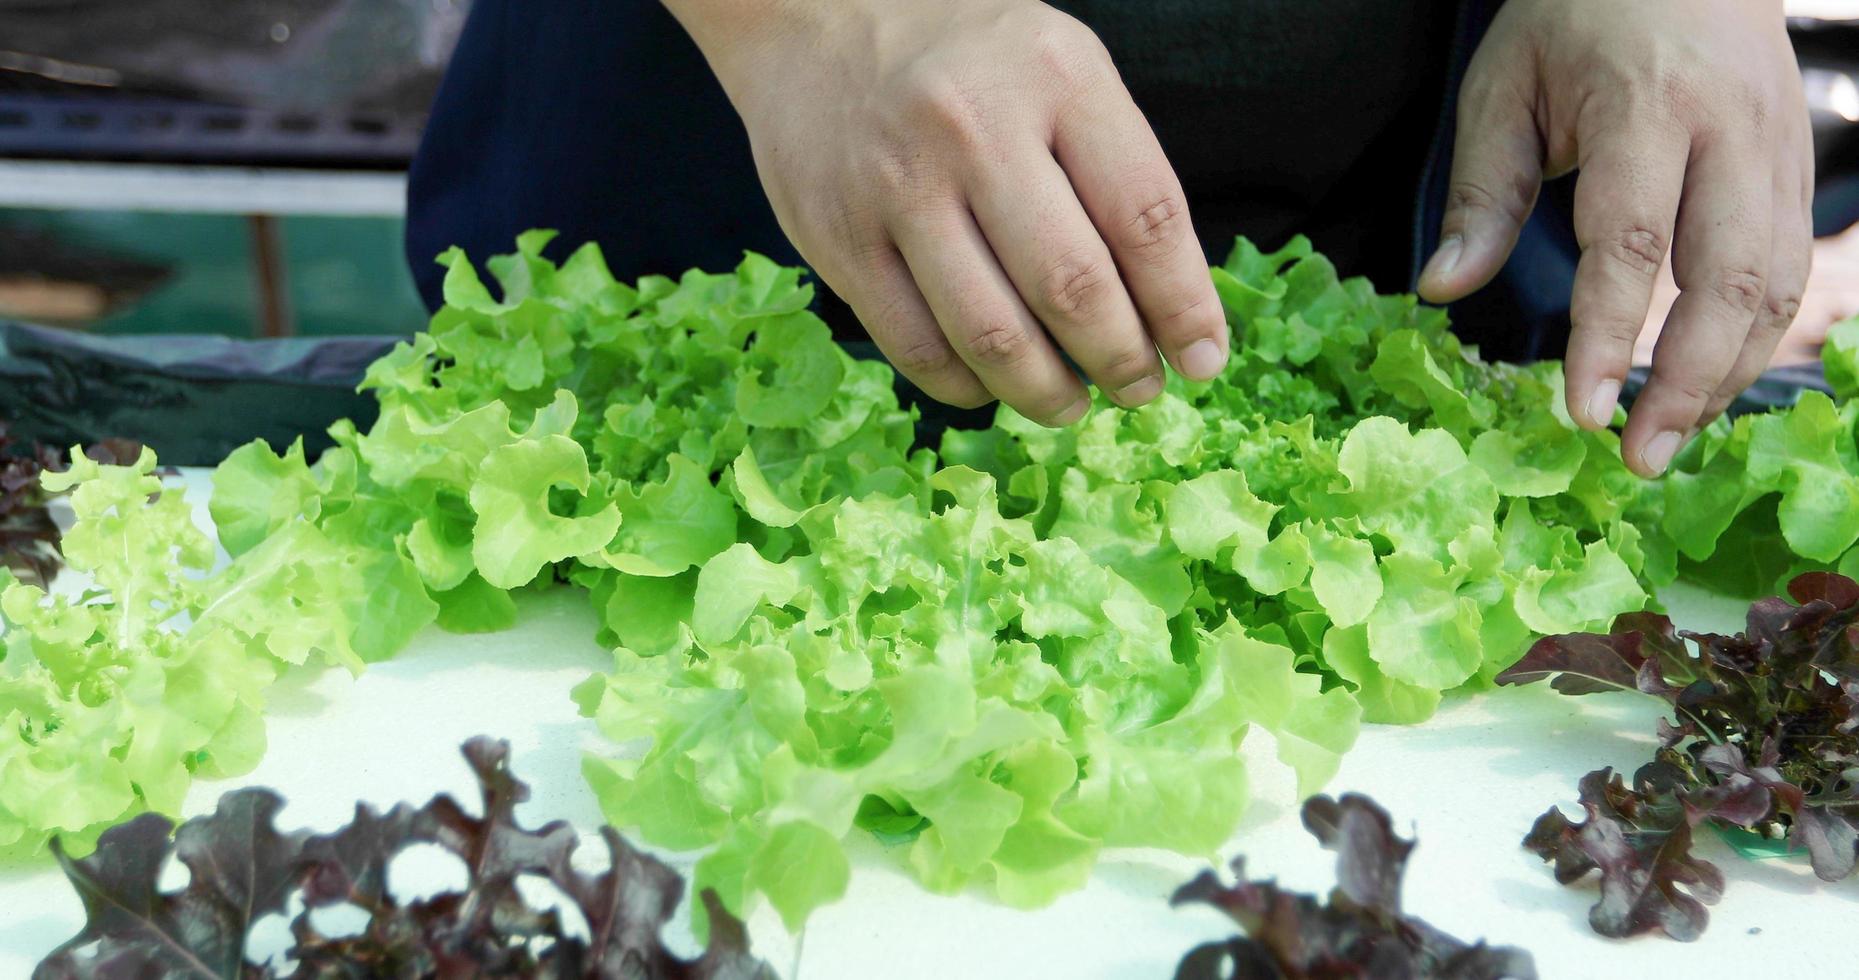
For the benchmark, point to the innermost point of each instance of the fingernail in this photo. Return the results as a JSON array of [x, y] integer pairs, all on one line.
[[1140, 391], [1201, 360], [1659, 451], [1074, 412], [1602, 403], [1446, 259]]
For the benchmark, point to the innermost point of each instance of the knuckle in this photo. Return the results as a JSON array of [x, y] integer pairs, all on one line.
[[1623, 331], [1068, 51], [856, 229], [924, 356], [1074, 287], [1480, 90], [1639, 248], [1466, 194], [1046, 407], [1197, 315], [1752, 101], [1156, 226], [1691, 386], [942, 105], [893, 174], [911, 178], [1717, 102], [928, 207], [1757, 118], [1674, 84], [1511, 199], [1000, 343], [1490, 85], [1667, 81], [1124, 366], [1740, 288], [1781, 310], [967, 396]]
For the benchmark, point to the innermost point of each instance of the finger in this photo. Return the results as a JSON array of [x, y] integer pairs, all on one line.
[[983, 319], [1132, 196], [1720, 260], [1048, 247], [1626, 202], [1791, 256], [888, 303], [1497, 169]]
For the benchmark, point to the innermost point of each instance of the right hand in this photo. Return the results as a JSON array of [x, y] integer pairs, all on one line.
[[973, 179]]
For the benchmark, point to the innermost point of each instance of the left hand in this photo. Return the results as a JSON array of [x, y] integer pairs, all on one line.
[[1687, 122]]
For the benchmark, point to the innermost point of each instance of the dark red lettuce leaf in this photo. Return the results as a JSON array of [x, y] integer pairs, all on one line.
[[1832, 841], [28, 536], [1643, 653], [1360, 932], [1766, 738], [243, 869], [1640, 841], [1837, 590]]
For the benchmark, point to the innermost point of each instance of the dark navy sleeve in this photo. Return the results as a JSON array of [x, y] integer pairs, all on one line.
[[598, 118]]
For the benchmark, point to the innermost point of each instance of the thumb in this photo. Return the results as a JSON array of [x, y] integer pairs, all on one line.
[[1497, 169]]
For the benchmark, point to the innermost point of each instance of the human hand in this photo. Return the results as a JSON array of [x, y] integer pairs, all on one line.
[[1687, 123], [975, 181]]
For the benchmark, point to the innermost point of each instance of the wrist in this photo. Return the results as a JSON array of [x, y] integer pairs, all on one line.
[[728, 32]]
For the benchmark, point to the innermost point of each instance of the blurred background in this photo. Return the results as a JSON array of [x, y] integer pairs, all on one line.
[[204, 166], [237, 168]]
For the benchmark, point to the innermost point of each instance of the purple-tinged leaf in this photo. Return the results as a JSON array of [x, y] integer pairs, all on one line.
[[1370, 858], [28, 535], [1742, 795], [1640, 842], [1581, 663], [1768, 741], [1831, 840], [1642, 654], [1360, 932], [242, 869], [1837, 590]]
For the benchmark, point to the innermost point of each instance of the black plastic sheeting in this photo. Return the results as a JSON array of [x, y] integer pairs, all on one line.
[[196, 398], [1777, 389], [192, 398]]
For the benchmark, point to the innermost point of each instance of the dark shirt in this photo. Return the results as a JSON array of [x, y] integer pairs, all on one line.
[[1288, 116], [600, 119]]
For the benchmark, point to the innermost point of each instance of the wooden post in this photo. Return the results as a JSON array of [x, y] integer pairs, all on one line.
[[274, 313]]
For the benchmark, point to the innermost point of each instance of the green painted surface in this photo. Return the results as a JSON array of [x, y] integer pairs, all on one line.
[[346, 275]]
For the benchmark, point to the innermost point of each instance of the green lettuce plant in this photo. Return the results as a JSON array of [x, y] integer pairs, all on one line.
[[1755, 501], [1007, 653]]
